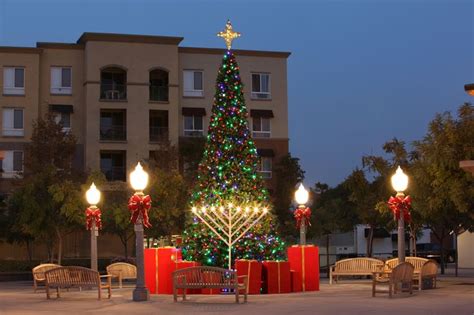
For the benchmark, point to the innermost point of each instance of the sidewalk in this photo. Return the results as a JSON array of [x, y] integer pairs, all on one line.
[[454, 296]]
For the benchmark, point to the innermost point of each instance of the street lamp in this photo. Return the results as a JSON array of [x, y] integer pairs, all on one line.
[[139, 204], [400, 205], [303, 213], [93, 221]]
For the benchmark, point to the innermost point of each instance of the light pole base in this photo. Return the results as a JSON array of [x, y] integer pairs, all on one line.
[[141, 294]]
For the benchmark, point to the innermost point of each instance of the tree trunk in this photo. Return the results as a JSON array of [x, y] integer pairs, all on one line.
[[327, 254], [440, 239], [124, 241], [60, 245], [29, 250], [370, 240]]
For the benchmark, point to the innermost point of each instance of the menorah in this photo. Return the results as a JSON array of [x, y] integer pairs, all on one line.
[[230, 223]]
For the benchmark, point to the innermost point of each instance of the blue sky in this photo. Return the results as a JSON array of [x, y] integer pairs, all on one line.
[[360, 73]]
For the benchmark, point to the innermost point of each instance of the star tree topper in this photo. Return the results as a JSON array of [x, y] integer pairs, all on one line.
[[228, 34]]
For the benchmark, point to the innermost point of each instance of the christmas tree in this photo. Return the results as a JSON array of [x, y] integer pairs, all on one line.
[[227, 175]]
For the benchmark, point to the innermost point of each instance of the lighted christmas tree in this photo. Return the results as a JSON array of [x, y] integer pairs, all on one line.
[[228, 179]]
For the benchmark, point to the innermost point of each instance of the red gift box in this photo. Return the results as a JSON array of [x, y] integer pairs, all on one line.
[[253, 270], [159, 263], [276, 277], [181, 264], [304, 260]]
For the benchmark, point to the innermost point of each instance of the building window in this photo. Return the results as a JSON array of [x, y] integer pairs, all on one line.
[[14, 81], [11, 164], [112, 164], [261, 127], [159, 85], [261, 86], [61, 80], [265, 167], [113, 124], [192, 82], [13, 122], [113, 84], [64, 119], [193, 126], [158, 125]]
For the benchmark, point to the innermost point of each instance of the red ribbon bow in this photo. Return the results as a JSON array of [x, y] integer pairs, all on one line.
[[400, 204], [302, 216], [93, 214], [140, 204]]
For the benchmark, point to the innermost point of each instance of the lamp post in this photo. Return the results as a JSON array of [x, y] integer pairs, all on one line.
[[399, 184], [93, 222], [138, 206], [302, 214]]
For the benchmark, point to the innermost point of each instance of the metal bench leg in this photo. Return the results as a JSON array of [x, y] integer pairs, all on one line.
[[47, 292], [236, 295], [57, 292], [184, 294]]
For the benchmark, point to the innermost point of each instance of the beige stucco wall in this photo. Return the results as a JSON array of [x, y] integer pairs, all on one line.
[[73, 58], [466, 250], [210, 63], [138, 60], [29, 101]]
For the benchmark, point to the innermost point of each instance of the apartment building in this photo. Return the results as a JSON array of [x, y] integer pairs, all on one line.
[[123, 95]]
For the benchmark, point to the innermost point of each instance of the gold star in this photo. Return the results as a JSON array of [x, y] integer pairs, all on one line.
[[228, 35]]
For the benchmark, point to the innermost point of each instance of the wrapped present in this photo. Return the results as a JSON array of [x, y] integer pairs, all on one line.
[[159, 263], [295, 281], [304, 261], [253, 270], [276, 277], [181, 264]]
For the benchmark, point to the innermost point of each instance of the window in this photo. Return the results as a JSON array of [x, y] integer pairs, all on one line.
[[158, 125], [113, 84], [11, 163], [113, 124], [112, 164], [192, 83], [13, 122], [14, 81], [61, 80], [193, 126], [261, 127], [64, 119], [159, 85], [261, 85], [265, 167]]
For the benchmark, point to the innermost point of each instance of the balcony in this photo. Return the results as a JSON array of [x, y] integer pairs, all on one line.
[[113, 133], [159, 93], [113, 91], [158, 134]]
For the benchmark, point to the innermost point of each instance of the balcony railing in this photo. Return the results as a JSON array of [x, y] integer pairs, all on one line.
[[193, 133], [115, 173], [114, 133], [158, 134], [158, 93], [112, 91]]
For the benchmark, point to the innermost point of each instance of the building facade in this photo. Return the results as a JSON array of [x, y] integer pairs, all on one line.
[[123, 96]]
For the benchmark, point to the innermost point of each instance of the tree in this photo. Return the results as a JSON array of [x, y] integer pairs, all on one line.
[[333, 212], [441, 190], [47, 204], [288, 173], [228, 174]]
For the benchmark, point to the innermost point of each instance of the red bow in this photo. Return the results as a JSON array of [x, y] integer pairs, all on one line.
[[93, 214], [140, 204], [400, 204], [302, 216]]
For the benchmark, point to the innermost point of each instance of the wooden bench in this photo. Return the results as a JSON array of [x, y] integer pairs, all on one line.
[[38, 273], [203, 277], [75, 277], [122, 271], [401, 275], [429, 270], [361, 266], [416, 262]]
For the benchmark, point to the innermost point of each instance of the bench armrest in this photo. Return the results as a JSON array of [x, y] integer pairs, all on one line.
[[245, 279], [106, 276]]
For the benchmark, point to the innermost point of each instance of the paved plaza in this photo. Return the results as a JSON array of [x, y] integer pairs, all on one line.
[[453, 296]]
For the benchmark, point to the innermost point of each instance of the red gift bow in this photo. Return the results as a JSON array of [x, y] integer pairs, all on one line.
[[300, 214], [397, 204], [91, 215], [140, 204]]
